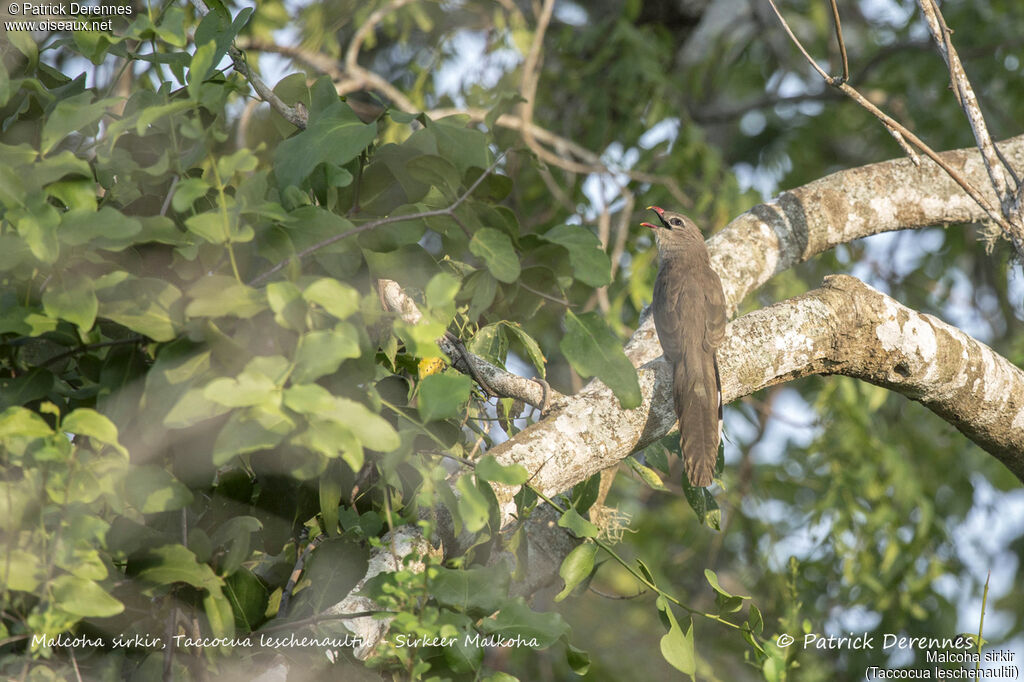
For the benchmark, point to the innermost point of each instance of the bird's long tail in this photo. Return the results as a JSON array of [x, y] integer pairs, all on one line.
[[697, 392]]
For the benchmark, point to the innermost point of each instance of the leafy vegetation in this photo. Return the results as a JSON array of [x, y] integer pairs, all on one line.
[[200, 390]]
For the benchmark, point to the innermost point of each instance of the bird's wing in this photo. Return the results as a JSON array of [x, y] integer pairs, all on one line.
[[668, 318], [714, 299]]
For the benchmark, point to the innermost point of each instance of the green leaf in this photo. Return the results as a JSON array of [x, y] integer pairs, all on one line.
[[578, 659], [289, 308], [335, 297], [322, 352], [478, 591], [530, 346], [488, 468], [421, 339], [496, 250], [72, 297], [175, 563], [151, 115], [219, 613], [516, 618], [464, 146], [755, 622], [107, 228], [649, 476], [236, 535], [330, 498], [37, 223], [702, 503], [474, 507], [336, 135], [187, 191], [333, 571], [441, 396], [677, 646], [21, 570], [579, 526], [88, 422], [441, 290], [490, 343], [19, 422], [210, 226], [589, 261], [242, 161], [143, 304], [199, 68], [576, 568], [152, 489], [84, 598], [70, 115], [436, 172], [726, 602], [593, 350], [371, 429], [249, 388], [248, 598], [220, 295], [192, 407], [249, 431]]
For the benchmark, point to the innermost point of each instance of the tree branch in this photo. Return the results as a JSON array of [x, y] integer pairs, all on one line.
[[1005, 186], [297, 116], [845, 327], [504, 383]]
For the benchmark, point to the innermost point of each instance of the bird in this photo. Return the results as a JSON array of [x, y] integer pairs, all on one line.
[[690, 315]]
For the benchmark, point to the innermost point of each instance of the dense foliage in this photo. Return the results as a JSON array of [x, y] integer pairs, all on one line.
[[180, 427]]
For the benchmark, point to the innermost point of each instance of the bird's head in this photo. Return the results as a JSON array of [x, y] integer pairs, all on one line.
[[672, 224]]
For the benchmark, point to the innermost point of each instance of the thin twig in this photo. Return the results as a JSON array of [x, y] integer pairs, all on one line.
[[293, 579], [606, 595], [92, 346], [448, 211], [553, 299], [842, 43]]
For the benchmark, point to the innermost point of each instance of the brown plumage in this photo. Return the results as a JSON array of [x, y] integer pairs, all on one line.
[[689, 314]]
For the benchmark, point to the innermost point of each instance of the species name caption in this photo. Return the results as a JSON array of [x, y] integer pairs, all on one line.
[[74, 16], [959, 654], [264, 641]]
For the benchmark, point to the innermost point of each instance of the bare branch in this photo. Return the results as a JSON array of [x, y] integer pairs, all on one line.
[[501, 382], [297, 116], [352, 54], [1004, 183], [840, 41]]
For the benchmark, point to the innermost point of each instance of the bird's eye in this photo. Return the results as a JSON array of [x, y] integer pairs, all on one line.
[[677, 222]]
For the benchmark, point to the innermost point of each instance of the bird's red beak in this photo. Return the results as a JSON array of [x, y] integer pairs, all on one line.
[[659, 210]]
